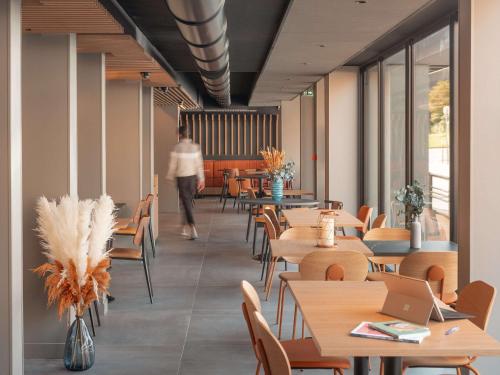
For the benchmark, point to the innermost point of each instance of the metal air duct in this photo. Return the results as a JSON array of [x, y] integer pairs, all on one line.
[[203, 26]]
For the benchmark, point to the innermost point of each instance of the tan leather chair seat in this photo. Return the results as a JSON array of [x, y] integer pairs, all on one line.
[[290, 276], [125, 253], [435, 361]]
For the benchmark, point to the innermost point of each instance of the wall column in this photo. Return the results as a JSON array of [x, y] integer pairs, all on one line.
[[478, 134], [124, 143], [91, 125], [147, 139], [320, 139], [49, 168], [342, 130], [11, 246], [290, 134], [165, 137]]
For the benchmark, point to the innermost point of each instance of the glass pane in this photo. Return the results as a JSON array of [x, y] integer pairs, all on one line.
[[371, 142], [394, 134], [432, 131]]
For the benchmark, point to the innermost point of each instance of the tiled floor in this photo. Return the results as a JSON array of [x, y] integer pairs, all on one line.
[[195, 325]]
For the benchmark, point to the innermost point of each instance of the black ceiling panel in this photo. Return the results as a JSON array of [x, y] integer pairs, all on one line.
[[252, 25]]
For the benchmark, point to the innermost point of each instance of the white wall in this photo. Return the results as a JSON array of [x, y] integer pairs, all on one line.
[[485, 175], [320, 138], [91, 125], [11, 250], [49, 168], [343, 137], [124, 143], [147, 139], [290, 134], [307, 143], [166, 122]]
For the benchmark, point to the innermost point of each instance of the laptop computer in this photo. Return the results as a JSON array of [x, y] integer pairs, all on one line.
[[412, 300]]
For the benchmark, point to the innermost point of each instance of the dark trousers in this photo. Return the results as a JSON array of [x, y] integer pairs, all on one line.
[[187, 189]]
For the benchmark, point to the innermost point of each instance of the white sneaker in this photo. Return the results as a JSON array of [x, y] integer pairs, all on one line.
[[194, 234], [185, 231]]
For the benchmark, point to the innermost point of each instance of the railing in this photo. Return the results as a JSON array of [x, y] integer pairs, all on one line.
[[439, 193]]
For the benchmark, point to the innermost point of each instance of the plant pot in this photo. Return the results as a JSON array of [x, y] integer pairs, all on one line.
[[415, 234], [277, 189], [79, 350]]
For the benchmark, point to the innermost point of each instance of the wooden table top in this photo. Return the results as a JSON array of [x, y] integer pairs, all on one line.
[[291, 192], [309, 218], [300, 248], [332, 309]]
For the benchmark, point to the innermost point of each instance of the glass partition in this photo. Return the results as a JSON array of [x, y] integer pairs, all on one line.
[[431, 131], [394, 171]]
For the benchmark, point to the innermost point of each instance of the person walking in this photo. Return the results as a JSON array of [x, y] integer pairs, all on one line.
[[186, 166]]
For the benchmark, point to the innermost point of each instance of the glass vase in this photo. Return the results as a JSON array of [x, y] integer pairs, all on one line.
[[79, 349], [277, 189]]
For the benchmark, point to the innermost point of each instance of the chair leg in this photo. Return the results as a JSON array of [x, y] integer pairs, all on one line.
[[279, 301], [343, 231], [224, 204], [269, 277], [96, 308], [263, 260], [264, 236], [153, 246], [294, 321], [254, 237], [469, 367], [280, 323], [257, 370], [91, 321], [249, 224], [303, 327], [459, 371], [148, 280]]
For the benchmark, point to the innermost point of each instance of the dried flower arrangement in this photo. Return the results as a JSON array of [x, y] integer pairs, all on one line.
[[275, 164], [74, 235]]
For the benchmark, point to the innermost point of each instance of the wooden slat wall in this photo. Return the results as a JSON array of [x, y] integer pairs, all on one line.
[[228, 135]]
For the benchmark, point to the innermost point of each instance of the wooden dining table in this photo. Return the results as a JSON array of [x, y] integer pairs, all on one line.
[[291, 192], [309, 218], [331, 310], [298, 249]]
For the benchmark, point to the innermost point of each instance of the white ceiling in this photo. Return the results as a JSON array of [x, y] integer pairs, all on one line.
[[319, 35]]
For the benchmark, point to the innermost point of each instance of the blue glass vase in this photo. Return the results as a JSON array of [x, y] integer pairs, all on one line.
[[277, 189], [79, 350]]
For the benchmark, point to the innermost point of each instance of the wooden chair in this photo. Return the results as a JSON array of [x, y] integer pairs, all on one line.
[[297, 353], [364, 215], [379, 221], [232, 192], [137, 254], [387, 234], [318, 265], [299, 233], [476, 299], [256, 213], [439, 268], [144, 208]]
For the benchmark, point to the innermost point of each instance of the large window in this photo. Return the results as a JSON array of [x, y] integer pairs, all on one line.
[[371, 141], [394, 69], [408, 126], [431, 130]]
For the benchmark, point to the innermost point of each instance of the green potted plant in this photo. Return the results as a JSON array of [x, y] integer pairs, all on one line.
[[412, 198]]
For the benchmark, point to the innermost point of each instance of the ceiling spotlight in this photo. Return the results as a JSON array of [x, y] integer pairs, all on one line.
[[360, 1], [145, 75], [322, 45], [164, 89]]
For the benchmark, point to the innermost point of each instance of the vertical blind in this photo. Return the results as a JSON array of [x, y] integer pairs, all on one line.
[[233, 135]]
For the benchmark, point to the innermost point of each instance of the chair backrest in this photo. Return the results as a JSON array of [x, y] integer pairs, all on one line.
[[139, 233], [334, 205], [251, 194], [138, 212], [387, 234], [274, 218], [234, 172], [273, 356], [477, 298], [269, 227], [148, 204], [364, 215], [419, 263], [234, 186], [315, 265], [299, 233], [251, 303], [245, 184], [379, 221]]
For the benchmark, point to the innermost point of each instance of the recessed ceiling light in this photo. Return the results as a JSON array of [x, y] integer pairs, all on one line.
[[322, 45], [360, 1]]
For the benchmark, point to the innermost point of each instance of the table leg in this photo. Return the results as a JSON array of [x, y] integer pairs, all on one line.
[[392, 365], [249, 220], [269, 279], [261, 187], [361, 366]]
